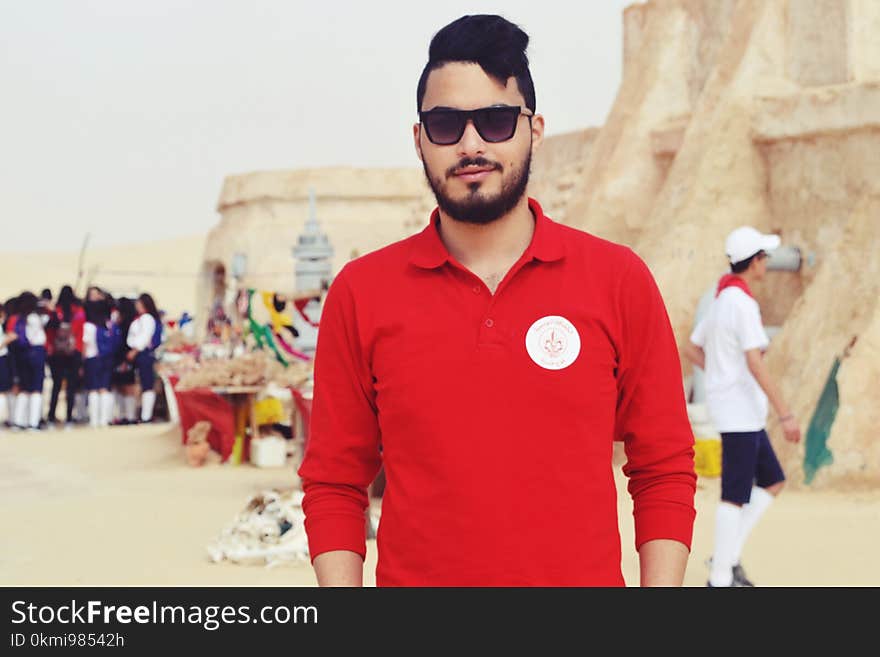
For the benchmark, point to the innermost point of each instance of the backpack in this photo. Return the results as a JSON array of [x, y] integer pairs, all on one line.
[[64, 343]]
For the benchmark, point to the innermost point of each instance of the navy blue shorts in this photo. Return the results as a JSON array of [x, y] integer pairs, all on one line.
[[143, 362], [5, 374], [747, 459], [36, 372], [18, 365], [97, 371]]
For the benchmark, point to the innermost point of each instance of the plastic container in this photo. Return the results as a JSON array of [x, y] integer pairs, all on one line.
[[269, 452]]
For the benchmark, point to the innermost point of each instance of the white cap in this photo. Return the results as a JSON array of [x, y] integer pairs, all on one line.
[[745, 241]]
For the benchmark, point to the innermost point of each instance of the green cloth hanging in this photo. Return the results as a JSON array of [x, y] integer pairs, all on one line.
[[817, 454]]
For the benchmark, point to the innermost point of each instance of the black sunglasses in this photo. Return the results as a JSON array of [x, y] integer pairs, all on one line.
[[494, 124]]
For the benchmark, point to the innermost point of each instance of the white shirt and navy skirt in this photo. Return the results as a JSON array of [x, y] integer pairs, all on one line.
[[99, 345], [142, 336], [35, 354]]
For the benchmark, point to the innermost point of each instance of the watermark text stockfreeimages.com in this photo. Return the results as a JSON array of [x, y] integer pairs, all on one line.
[[211, 617]]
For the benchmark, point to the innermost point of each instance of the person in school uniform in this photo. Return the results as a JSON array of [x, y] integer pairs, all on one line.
[[10, 345], [31, 332], [100, 342], [17, 357], [5, 370], [123, 376], [144, 335], [64, 346]]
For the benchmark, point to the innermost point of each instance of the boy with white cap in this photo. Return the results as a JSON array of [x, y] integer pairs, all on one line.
[[729, 344]]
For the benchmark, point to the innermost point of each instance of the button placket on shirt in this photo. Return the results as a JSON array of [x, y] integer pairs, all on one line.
[[488, 333]]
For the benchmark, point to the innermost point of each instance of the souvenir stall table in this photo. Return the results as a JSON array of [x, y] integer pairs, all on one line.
[[227, 394], [243, 401], [233, 382]]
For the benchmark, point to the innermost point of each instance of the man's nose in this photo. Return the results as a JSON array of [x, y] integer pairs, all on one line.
[[471, 143]]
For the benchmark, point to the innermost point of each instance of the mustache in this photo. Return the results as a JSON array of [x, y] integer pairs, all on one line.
[[472, 162]]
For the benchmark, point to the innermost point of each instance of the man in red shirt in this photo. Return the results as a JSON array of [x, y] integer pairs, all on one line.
[[489, 362]]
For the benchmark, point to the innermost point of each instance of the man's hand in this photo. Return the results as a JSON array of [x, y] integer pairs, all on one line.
[[792, 429], [130, 356]]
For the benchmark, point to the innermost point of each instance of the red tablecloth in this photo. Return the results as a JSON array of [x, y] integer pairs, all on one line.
[[196, 405]]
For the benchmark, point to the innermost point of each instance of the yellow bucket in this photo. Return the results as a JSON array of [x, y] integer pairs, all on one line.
[[269, 411], [707, 457]]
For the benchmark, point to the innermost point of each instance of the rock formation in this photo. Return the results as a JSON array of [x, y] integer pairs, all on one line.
[[761, 112]]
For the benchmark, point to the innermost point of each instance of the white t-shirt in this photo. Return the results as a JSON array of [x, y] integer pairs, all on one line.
[[140, 333], [36, 334], [731, 327], [90, 340]]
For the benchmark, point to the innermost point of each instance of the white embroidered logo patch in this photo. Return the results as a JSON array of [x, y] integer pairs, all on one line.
[[553, 342]]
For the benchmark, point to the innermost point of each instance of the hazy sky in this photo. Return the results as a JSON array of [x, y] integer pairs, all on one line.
[[122, 117]]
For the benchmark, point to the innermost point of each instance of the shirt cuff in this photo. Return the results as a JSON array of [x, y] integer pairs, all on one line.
[[336, 532], [670, 521]]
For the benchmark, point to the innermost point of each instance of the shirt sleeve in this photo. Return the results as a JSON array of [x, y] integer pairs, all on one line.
[[652, 416], [749, 327], [698, 337], [342, 457]]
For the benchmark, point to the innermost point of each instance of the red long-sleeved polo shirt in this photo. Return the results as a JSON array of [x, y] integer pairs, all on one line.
[[495, 414]]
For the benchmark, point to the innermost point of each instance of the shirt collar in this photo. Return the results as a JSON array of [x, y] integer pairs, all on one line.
[[547, 243]]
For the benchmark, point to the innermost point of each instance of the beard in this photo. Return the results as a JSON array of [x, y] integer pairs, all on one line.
[[478, 207]]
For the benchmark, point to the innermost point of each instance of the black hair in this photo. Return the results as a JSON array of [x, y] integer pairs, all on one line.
[[96, 289], [66, 298], [27, 304], [743, 265], [127, 312], [493, 42], [149, 305], [11, 305], [46, 294], [97, 312]]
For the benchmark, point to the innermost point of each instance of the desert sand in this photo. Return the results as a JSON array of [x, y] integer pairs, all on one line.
[[119, 506]]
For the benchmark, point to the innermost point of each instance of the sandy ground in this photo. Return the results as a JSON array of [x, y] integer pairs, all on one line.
[[167, 269], [119, 507]]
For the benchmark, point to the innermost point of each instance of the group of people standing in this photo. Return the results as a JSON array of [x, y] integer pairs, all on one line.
[[95, 348]]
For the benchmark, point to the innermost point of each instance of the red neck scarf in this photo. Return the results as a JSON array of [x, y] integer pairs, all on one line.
[[732, 280]]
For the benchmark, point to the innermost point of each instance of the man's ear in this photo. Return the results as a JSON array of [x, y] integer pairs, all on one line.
[[537, 132], [417, 133]]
